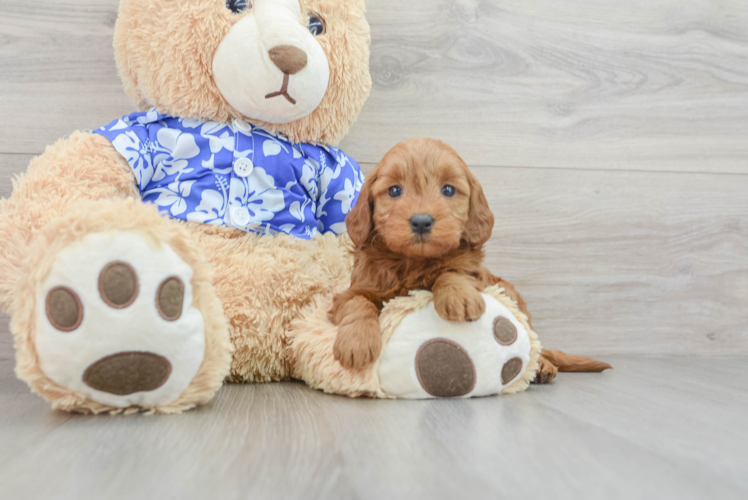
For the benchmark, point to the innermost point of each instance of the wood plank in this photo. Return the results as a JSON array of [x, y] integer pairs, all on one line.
[[57, 71], [625, 262], [286, 441], [541, 83], [622, 262], [535, 83]]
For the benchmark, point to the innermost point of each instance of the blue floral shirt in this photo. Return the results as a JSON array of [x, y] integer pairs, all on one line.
[[236, 174]]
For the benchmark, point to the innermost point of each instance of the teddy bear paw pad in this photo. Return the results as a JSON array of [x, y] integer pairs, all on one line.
[[428, 356], [116, 321]]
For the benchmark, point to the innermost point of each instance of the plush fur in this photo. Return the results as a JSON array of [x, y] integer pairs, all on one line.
[[164, 51], [126, 215], [312, 337], [392, 259], [263, 299], [248, 287]]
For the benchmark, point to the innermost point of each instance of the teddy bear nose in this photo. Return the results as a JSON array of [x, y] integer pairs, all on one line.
[[421, 223], [289, 59]]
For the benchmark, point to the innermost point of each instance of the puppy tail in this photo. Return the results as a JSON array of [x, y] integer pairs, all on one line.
[[573, 363]]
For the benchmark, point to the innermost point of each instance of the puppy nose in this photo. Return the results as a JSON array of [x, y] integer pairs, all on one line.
[[289, 59], [421, 223]]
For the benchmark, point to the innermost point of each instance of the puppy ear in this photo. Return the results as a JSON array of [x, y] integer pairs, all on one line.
[[359, 222], [480, 220]]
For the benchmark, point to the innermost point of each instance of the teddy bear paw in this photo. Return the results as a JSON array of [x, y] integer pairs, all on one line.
[[428, 356], [115, 321]]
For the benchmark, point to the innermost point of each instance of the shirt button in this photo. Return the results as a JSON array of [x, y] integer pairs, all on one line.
[[240, 217], [243, 167]]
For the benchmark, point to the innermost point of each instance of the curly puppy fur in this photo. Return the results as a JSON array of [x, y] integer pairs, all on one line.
[[393, 257]]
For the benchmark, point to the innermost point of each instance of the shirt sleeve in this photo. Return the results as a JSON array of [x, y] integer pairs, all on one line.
[[130, 139], [340, 181]]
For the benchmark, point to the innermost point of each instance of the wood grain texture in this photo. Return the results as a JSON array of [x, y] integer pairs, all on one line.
[[57, 71], [615, 262], [620, 262], [597, 84], [573, 439], [590, 84]]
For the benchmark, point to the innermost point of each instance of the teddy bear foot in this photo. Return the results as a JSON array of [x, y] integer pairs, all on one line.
[[424, 356], [428, 357], [117, 327]]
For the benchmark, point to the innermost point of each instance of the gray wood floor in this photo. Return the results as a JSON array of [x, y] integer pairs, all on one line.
[[612, 141], [650, 429]]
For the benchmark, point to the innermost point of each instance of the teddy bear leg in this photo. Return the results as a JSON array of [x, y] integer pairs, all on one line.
[[115, 311], [426, 356], [81, 166]]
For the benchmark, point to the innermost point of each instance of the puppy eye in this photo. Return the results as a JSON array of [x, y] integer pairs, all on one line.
[[316, 25], [449, 191], [238, 6], [395, 191]]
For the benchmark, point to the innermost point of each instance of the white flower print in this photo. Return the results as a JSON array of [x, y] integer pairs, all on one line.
[[346, 196], [186, 168], [258, 194], [137, 155], [150, 116], [326, 177], [211, 209], [225, 140], [338, 227], [271, 146], [173, 196], [309, 177], [173, 150]]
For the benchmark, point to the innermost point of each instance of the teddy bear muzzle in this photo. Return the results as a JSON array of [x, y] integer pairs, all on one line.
[[269, 66]]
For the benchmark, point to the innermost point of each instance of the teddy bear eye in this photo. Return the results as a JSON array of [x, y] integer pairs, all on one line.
[[238, 6], [316, 25], [395, 191], [449, 191]]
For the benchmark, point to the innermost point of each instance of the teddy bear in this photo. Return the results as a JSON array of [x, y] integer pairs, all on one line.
[[201, 239]]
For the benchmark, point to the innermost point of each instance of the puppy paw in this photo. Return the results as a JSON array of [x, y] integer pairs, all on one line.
[[547, 371], [358, 343], [463, 305]]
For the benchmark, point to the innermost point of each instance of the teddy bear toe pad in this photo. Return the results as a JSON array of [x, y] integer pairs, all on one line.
[[428, 356], [116, 321]]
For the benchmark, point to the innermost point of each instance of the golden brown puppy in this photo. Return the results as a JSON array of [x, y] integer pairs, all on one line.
[[420, 224]]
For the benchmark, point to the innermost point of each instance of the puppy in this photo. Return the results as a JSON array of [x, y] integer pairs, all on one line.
[[420, 223]]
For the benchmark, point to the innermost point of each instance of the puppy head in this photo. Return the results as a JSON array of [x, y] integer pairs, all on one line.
[[423, 201]]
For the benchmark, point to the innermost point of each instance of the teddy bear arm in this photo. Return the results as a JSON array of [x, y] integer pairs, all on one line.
[[80, 167]]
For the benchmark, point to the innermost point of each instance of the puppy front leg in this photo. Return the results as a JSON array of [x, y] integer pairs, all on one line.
[[457, 297], [359, 340]]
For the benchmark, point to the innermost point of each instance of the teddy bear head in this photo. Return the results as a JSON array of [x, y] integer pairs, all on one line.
[[294, 67]]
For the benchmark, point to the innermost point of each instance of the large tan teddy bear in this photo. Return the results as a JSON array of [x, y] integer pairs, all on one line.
[[201, 239]]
